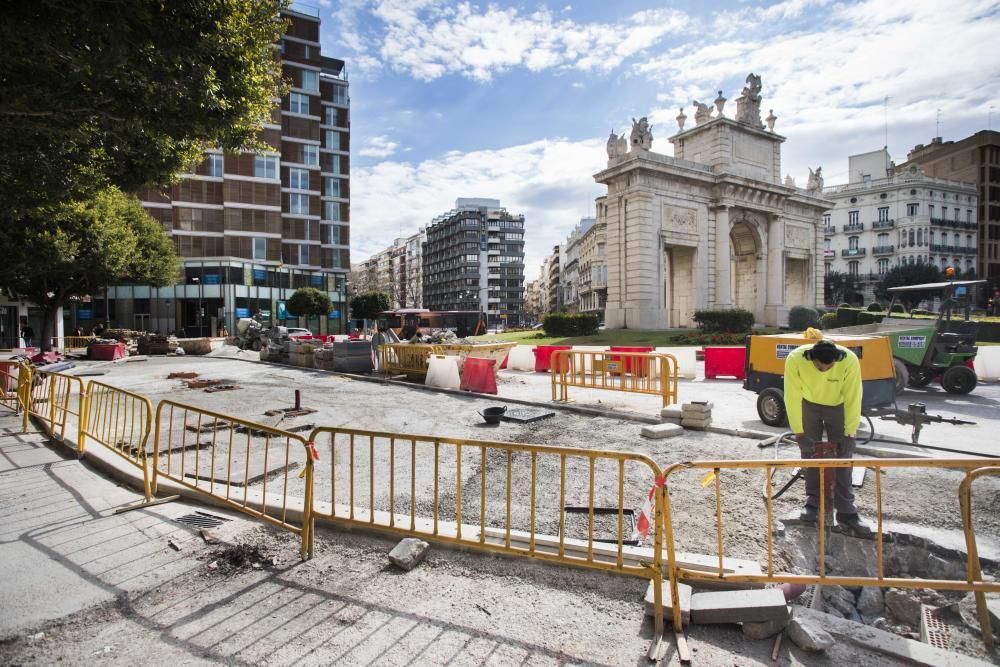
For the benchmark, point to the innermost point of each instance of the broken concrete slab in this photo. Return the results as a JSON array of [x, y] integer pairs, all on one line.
[[764, 629], [683, 591], [753, 606], [409, 553], [840, 599], [904, 605], [808, 634], [660, 431]]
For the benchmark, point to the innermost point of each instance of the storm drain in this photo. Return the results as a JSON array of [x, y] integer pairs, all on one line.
[[202, 520], [933, 630]]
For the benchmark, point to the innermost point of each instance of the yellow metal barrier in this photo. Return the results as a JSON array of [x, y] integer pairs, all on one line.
[[975, 572], [633, 372], [67, 343], [52, 402], [121, 421], [408, 359], [15, 378], [497, 497], [715, 472], [223, 457]]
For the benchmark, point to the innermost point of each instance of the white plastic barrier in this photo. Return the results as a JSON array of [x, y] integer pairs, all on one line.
[[442, 371], [587, 359], [686, 364], [521, 358], [987, 362]]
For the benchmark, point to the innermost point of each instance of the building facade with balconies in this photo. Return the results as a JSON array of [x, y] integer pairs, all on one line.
[[397, 271], [572, 275], [593, 271], [886, 216], [252, 228], [473, 259]]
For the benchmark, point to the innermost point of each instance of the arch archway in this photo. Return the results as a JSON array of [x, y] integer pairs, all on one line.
[[746, 247]]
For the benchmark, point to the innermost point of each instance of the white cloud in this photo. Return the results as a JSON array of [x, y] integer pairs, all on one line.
[[428, 39], [549, 181], [577, 84], [379, 146]]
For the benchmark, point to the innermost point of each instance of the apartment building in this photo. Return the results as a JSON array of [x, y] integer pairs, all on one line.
[[552, 271], [571, 275], [253, 228], [885, 216], [975, 159], [473, 259], [593, 271], [397, 271]]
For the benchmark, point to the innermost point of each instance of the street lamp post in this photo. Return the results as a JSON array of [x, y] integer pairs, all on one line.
[[197, 281]]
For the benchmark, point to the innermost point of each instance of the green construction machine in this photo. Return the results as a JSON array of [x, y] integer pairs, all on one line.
[[925, 349]]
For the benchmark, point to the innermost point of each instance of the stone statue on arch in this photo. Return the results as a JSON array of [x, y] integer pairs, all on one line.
[[642, 134]]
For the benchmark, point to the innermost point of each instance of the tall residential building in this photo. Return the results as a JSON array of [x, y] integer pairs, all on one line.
[[593, 271], [886, 216], [976, 159], [571, 274], [534, 302], [396, 271], [253, 228], [552, 276], [474, 260]]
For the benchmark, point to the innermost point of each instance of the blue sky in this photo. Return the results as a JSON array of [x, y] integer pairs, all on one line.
[[514, 100]]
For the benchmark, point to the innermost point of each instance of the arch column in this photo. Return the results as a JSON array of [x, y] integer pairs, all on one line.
[[723, 258]]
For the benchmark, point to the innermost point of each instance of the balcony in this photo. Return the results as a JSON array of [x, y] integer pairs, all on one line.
[[829, 230], [829, 252], [954, 224], [883, 224], [883, 250], [854, 227], [953, 249], [852, 252]]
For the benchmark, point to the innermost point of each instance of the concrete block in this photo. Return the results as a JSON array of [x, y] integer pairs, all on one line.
[[749, 606], [409, 553], [670, 413], [808, 634], [764, 629], [683, 590], [698, 406], [660, 431], [696, 424]]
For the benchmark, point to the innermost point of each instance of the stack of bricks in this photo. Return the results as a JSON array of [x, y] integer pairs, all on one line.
[[696, 415]]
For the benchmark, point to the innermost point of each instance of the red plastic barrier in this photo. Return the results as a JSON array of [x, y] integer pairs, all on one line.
[[106, 351], [503, 364], [543, 356], [725, 361], [478, 376], [629, 362]]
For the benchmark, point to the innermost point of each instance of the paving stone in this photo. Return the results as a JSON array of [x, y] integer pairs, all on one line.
[[746, 606], [808, 634], [697, 424], [698, 406], [764, 629], [409, 553], [671, 413], [683, 590], [659, 431]]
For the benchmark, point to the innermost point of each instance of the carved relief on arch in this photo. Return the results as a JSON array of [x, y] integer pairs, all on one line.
[[796, 237], [677, 219]]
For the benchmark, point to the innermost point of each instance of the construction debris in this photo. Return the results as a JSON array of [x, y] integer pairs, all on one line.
[[221, 387], [201, 384], [660, 431], [409, 553], [155, 344], [808, 634], [294, 411], [749, 606], [182, 375], [764, 629]]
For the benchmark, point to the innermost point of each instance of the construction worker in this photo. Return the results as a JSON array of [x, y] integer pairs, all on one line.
[[823, 393]]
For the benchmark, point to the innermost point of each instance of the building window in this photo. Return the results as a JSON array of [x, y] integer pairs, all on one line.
[[852, 267], [827, 267], [303, 254], [298, 204], [340, 95], [265, 167], [920, 237], [333, 235], [913, 209], [883, 239], [883, 266], [331, 211], [331, 186], [259, 248], [329, 116], [310, 154], [883, 214], [968, 215], [958, 214], [826, 244], [215, 165], [826, 219], [852, 217], [298, 179], [310, 80], [968, 240], [852, 243], [298, 103], [911, 239], [335, 164]]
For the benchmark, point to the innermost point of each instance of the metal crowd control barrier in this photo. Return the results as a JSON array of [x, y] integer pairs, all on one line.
[[498, 497], [51, 401], [15, 379], [67, 343], [974, 582], [223, 457], [121, 421], [633, 372], [405, 359]]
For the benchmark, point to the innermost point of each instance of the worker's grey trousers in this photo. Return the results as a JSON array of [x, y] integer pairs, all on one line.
[[815, 419]]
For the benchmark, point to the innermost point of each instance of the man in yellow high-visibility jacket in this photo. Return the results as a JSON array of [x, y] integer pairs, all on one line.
[[823, 393]]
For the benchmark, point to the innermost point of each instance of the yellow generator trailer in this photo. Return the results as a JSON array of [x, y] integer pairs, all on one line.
[[765, 372]]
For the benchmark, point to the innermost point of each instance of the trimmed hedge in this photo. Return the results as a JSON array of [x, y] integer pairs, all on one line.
[[570, 324], [707, 339], [847, 317], [828, 321], [899, 308], [864, 317], [724, 321], [875, 307], [801, 318]]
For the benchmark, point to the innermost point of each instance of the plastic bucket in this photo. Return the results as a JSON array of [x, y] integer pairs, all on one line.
[[493, 415]]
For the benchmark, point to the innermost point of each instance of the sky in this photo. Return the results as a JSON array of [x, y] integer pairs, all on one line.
[[515, 100]]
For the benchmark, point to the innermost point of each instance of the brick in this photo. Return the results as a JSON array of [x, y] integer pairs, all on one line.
[[701, 406], [749, 606], [683, 590], [659, 431]]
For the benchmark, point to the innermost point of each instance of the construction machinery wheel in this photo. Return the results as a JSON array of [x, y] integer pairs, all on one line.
[[771, 407], [959, 380], [902, 375], [920, 377]]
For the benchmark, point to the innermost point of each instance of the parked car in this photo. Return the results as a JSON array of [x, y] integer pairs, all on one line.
[[298, 331]]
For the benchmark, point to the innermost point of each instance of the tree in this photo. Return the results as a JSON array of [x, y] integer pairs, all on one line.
[[367, 306], [838, 287], [910, 274], [127, 92], [310, 302], [78, 248]]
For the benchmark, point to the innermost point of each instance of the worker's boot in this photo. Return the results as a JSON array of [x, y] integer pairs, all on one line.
[[809, 514], [854, 526]]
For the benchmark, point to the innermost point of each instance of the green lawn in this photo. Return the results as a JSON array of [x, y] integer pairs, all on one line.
[[608, 337]]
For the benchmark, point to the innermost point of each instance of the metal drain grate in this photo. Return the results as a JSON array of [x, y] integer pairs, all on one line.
[[933, 630], [202, 520]]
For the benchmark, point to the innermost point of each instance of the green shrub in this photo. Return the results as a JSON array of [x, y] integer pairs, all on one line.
[[694, 338], [899, 308], [570, 324], [920, 311], [724, 321], [801, 318], [865, 317], [845, 305], [828, 321], [847, 317], [875, 307]]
